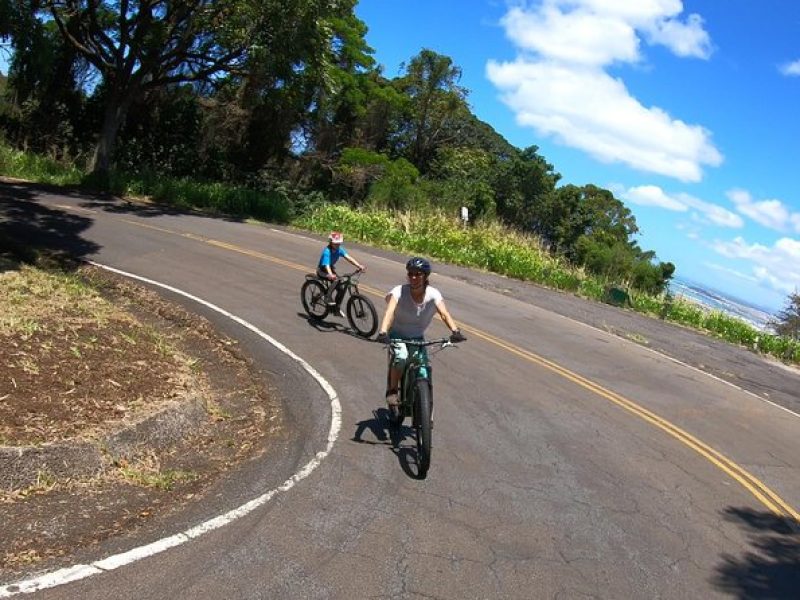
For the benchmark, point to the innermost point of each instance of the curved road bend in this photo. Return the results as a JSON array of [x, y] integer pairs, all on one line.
[[567, 462]]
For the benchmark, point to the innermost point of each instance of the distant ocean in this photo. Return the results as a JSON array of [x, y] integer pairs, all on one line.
[[715, 300]]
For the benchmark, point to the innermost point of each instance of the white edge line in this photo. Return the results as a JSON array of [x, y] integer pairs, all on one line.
[[77, 572]]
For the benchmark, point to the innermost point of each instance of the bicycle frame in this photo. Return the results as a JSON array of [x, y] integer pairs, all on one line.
[[417, 367], [348, 283]]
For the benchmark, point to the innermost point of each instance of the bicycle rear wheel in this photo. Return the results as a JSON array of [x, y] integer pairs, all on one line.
[[362, 315], [423, 425], [312, 295]]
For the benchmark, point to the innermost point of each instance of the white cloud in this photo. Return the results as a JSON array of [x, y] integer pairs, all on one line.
[[778, 267], [689, 39], [791, 69], [558, 84], [652, 195], [580, 37], [772, 213]]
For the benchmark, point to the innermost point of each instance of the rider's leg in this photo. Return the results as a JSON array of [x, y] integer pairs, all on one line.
[[330, 285], [331, 289], [392, 386], [398, 356]]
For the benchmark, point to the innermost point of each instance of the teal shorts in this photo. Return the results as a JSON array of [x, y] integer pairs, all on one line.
[[399, 353]]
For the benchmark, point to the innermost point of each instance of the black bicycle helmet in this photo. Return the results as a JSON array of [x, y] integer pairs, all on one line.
[[417, 263]]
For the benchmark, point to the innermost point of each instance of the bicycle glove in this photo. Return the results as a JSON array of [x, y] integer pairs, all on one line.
[[457, 336], [383, 338]]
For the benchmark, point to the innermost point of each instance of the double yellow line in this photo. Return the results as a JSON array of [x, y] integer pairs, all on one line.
[[757, 488], [751, 483]]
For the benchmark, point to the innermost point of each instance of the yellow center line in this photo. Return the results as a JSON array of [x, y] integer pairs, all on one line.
[[757, 488], [750, 482]]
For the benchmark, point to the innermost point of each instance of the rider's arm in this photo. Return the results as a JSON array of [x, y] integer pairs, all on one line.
[[445, 314], [388, 316], [355, 263]]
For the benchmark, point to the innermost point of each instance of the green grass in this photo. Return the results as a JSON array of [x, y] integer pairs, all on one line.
[[162, 480], [32, 167], [30, 296]]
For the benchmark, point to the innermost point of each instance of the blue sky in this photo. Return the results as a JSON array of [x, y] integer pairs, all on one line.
[[687, 111]]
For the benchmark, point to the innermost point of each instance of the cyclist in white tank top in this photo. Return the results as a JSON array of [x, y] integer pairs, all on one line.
[[409, 311]]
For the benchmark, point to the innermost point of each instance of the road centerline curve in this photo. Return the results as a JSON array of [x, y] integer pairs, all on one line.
[[767, 497]]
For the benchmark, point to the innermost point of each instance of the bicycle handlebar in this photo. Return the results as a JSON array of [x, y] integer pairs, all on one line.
[[350, 275], [443, 341]]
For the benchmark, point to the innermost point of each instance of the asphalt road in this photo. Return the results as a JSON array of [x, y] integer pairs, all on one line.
[[568, 462]]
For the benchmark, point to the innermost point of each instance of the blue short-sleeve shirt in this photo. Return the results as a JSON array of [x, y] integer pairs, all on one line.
[[329, 257]]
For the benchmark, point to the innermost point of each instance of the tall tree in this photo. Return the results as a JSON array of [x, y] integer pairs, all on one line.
[[339, 107], [787, 321], [141, 45], [436, 106], [524, 184], [43, 78], [304, 49]]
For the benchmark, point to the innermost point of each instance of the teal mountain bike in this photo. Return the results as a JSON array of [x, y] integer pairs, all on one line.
[[415, 399]]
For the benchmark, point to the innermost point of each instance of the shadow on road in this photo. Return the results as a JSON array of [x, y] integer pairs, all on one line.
[[147, 208], [324, 326], [385, 434], [377, 426], [109, 202], [772, 568], [27, 226]]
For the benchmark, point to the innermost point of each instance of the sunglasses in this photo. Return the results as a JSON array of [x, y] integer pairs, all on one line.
[[415, 273]]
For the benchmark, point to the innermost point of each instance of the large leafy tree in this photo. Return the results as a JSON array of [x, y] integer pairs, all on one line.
[[339, 107], [573, 212], [524, 184], [288, 100], [141, 45], [42, 78], [435, 110]]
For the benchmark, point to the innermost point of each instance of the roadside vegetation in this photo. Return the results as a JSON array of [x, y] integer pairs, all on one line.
[[85, 354], [72, 359], [484, 245]]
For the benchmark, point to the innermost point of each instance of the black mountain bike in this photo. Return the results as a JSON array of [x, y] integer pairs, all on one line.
[[416, 397], [360, 311]]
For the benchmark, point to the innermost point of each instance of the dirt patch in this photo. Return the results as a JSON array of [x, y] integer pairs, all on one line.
[[86, 360]]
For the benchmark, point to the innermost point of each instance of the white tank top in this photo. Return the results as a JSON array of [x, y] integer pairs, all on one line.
[[412, 319]]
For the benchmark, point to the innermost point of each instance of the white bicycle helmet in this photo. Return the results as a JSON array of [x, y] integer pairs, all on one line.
[[336, 237]]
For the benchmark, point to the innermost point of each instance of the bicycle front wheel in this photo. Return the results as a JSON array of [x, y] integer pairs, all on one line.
[[312, 295], [423, 424], [362, 315]]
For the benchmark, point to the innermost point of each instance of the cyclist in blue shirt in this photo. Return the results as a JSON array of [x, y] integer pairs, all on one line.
[[327, 261]]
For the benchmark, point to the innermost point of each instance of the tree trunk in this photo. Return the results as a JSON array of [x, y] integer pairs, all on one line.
[[114, 117]]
